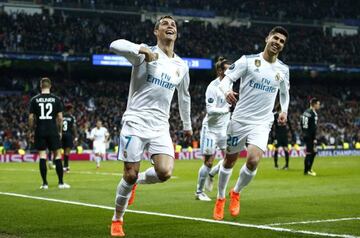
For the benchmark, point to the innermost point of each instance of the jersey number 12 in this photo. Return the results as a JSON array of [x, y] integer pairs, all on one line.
[[46, 110]]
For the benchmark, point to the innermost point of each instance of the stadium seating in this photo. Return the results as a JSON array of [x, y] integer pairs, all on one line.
[[106, 100]]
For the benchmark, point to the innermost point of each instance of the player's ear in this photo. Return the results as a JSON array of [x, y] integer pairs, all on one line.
[[266, 39], [156, 32]]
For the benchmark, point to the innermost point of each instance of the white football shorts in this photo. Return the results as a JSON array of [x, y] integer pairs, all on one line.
[[241, 134], [210, 139], [99, 147], [133, 144]]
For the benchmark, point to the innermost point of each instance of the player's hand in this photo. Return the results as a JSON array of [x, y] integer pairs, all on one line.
[[231, 97], [282, 118], [149, 55]]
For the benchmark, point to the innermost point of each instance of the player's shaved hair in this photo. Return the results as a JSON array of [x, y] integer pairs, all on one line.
[[45, 83], [281, 30], [160, 19]]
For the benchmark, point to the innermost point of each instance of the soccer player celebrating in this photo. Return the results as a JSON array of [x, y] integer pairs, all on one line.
[[99, 135], [261, 76], [309, 126], [157, 71], [69, 134], [213, 131], [45, 118]]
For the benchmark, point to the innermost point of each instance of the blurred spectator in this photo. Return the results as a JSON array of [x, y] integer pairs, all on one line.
[[338, 120], [91, 34]]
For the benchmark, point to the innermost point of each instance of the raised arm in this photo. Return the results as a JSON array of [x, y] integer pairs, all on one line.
[[134, 53]]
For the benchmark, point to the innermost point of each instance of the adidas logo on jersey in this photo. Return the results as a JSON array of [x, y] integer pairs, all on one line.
[[257, 70]]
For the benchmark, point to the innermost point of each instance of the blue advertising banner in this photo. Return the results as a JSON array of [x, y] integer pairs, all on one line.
[[115, 60]]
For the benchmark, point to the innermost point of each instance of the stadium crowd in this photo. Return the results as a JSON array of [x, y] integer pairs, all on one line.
[[64, 33], [316, 9], [106, 100]]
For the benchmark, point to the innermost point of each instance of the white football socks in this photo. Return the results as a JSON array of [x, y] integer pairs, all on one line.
[[148, 177], [123, 193], [203, 173], [224, 176], [98, 159], [215, 170], [244, 179]]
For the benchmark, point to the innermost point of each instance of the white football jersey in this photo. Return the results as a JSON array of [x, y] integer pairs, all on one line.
[[259, 85], [99, 134], [218, 115], [152, 88]]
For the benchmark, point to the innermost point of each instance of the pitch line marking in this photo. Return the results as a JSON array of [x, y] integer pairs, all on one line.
[[76, 172], [315, 221], [263, 227]]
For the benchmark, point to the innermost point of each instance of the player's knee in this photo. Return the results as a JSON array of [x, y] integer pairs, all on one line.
[[208, 163], [131, 176], [252, 162], [230, 160], [164, 174]]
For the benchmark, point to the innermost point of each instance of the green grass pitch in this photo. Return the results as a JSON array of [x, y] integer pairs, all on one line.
[[274, 196]]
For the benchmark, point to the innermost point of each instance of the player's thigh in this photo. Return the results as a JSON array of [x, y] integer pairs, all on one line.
[[309, 144], [207, 141], [99, 148], [221, 139], [53, 142], [258, 135], [67, 141], [283, 141], [40, 142], [161, 145], [131, 148], [236, 137], [163, 163]]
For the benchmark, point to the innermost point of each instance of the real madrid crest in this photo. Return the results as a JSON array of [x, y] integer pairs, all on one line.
[[257, 63]]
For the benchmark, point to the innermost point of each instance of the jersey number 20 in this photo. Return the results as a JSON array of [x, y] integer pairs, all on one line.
[[46, 110]]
